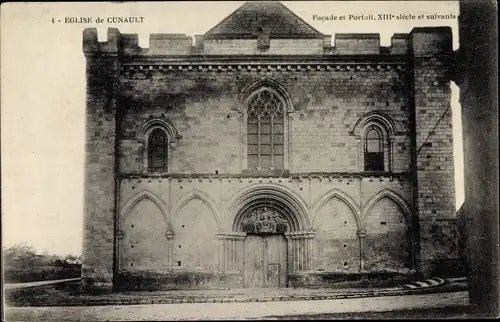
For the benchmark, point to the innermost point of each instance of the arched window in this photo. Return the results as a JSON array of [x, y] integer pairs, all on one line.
[[157, 151], [265, 131], [374, 149]]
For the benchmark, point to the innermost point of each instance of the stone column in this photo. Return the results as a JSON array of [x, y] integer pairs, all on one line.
[[300, 247], [232, 254], [302, 253], [296, 250], [300, 250], [361, 164], [101, 155], [227, 259], [390, 166], [241, 251], [291, 252], [170, 248], [142, 161], [222, 267], [361, 235], [120, 234], [310, 252], [305, 252], [238, 239], [231, 251]]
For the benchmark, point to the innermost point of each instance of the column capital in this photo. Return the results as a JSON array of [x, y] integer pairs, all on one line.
[[221, 236], [169, 235], [361, 233], [311, 234], [119, 234], [232, 236], [300, 234]]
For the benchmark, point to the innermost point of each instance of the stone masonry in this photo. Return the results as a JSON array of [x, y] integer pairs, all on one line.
[[181, 227], [477, 77]]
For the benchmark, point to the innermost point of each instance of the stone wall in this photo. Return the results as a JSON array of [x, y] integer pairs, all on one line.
[[249, 47], [478, 81], [432, 58], [206, 110], [179, 224], [336, 242], [100, 170], [182, 219]]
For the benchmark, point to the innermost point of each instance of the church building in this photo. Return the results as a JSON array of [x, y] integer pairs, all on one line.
[[262, 154]]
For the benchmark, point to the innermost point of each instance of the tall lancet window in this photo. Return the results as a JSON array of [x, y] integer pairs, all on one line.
[[157, 151], [265, 131], [374, 149]]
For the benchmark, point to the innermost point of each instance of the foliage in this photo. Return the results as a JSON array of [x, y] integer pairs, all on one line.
[[151, 280], [23, 264], [35, 274], [20, 256]]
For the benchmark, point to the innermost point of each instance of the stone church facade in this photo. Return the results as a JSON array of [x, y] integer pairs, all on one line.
[[264, 156]]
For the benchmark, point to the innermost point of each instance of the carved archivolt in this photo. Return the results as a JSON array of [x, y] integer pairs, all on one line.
[[378, 118], [151, 124], [264, 220], [274, 196], [270, 84], [387, 193]]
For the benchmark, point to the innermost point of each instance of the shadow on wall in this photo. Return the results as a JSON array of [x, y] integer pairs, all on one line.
[[458, 267], [156, 280], [463, 262]]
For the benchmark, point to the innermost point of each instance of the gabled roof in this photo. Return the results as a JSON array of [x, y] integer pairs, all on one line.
[[257, 17]]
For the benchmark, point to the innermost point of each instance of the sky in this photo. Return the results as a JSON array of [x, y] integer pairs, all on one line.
[[43, 96]]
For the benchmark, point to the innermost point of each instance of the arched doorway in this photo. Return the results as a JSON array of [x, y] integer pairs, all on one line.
[[265, 254], [270, 235]]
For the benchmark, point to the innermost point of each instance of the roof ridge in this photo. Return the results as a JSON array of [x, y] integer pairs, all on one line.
[[298, 17], [227, 18], [274, 16]]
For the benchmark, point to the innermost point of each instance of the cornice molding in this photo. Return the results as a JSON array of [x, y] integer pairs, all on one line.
[[301, 177], [262, 67]]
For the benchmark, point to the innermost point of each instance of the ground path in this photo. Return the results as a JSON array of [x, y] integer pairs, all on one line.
[[249, 310], [11, 286]]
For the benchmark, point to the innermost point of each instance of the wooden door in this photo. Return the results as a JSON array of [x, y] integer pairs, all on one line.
[[265, 261], [276, 260], [253, 261]]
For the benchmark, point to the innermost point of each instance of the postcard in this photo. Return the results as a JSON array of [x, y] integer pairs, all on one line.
[[247, 160]]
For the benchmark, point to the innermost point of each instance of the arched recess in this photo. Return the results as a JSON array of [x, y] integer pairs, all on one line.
[[252, 196], [265, 82], [143, 235], [203, 197], [145, 194], [392, 195], [143, 134], [196, 226], [282, 128], [335, 193], [374, 117], [337, 245], [268, 236], [383, 125], [389, 234], [147, 126]]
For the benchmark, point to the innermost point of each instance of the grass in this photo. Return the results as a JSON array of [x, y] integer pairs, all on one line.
[[70, 293], [44, 273]]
